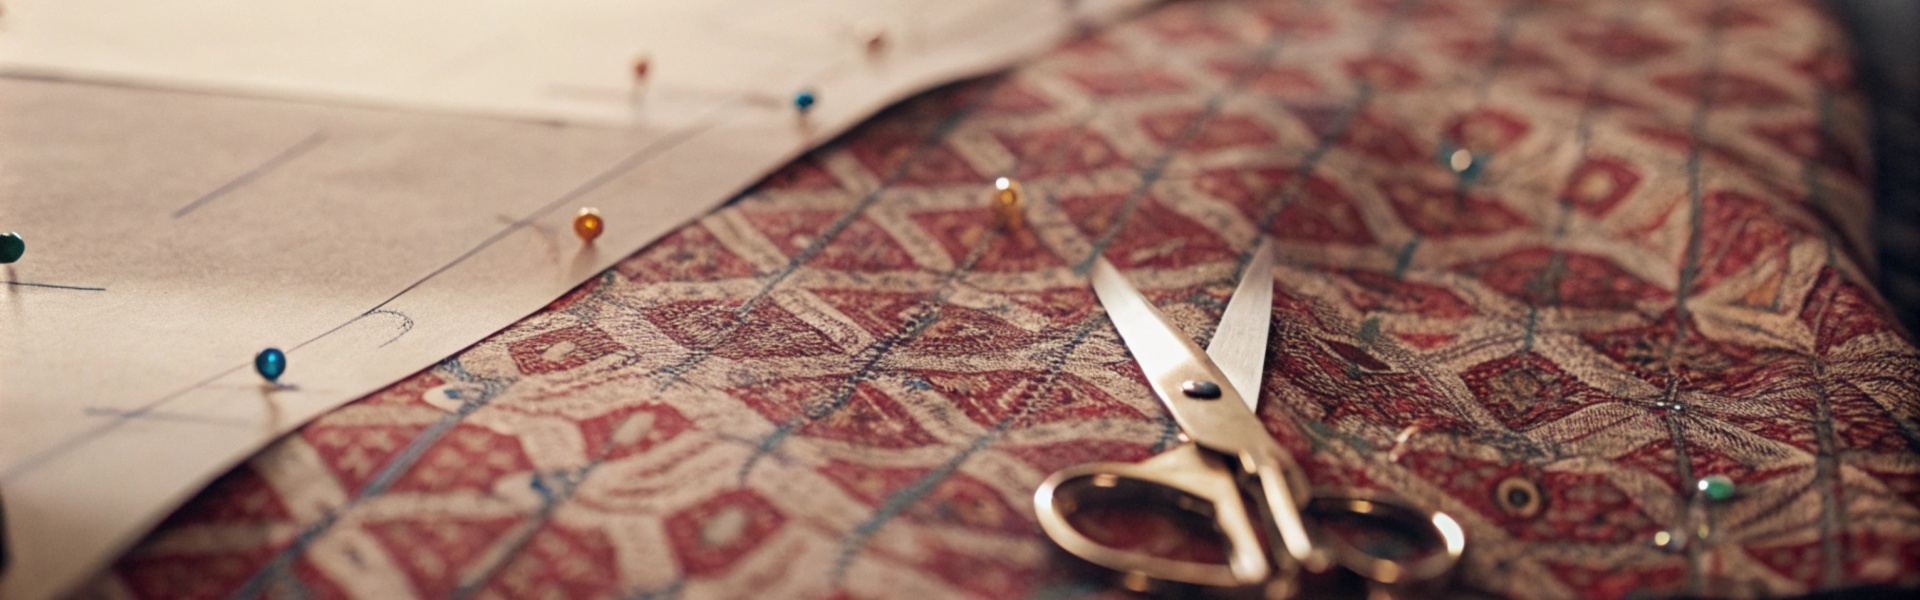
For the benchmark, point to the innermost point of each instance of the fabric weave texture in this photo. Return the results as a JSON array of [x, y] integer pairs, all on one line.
[[1603, 249]]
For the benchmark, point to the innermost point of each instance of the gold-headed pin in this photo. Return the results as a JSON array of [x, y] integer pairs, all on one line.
[[1009, 202], [588, 225]]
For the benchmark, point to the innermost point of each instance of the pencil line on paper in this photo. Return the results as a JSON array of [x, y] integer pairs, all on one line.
[[625, 164], [405, 326], [57, 287], [282, 158]]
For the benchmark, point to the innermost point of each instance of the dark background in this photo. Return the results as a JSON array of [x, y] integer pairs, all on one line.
[[1886, 36]]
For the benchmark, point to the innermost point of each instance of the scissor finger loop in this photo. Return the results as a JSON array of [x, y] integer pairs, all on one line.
[[1195, 480], [1440, 540], [1189, 479]]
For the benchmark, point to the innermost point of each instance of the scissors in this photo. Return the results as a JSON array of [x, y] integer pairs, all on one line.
[[1227, 459]]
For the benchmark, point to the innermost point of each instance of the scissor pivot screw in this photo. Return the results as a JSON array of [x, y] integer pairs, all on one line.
[[1203, 390]]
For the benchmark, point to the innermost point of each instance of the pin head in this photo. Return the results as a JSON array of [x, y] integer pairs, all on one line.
[[1716, 487], [1460, 160], [1666, 541], [270, 363], [11, 247], [804, 100], [587, 224], [1008, 202]]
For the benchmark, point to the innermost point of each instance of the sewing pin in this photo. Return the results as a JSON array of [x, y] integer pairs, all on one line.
[[11, 247], [588, 225], [270, 363], [1008, 202]]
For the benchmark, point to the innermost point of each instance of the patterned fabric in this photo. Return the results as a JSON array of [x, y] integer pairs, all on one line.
[[1647, 268]]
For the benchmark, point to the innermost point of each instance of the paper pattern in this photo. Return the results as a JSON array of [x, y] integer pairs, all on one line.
[[173, 234]]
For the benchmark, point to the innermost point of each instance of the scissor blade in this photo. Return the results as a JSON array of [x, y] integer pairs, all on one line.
[[1156, 343], [1239, 345], [1163, 352], [1219, 423]]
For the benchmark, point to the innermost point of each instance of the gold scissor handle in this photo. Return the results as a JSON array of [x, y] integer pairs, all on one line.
[[1440, 534], [1200, 481], [1197, 480]]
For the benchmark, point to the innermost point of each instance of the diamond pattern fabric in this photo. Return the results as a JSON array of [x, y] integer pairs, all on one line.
[[1647, 267]]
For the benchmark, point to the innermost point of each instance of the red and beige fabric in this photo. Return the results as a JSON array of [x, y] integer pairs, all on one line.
[[1595, 249]]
